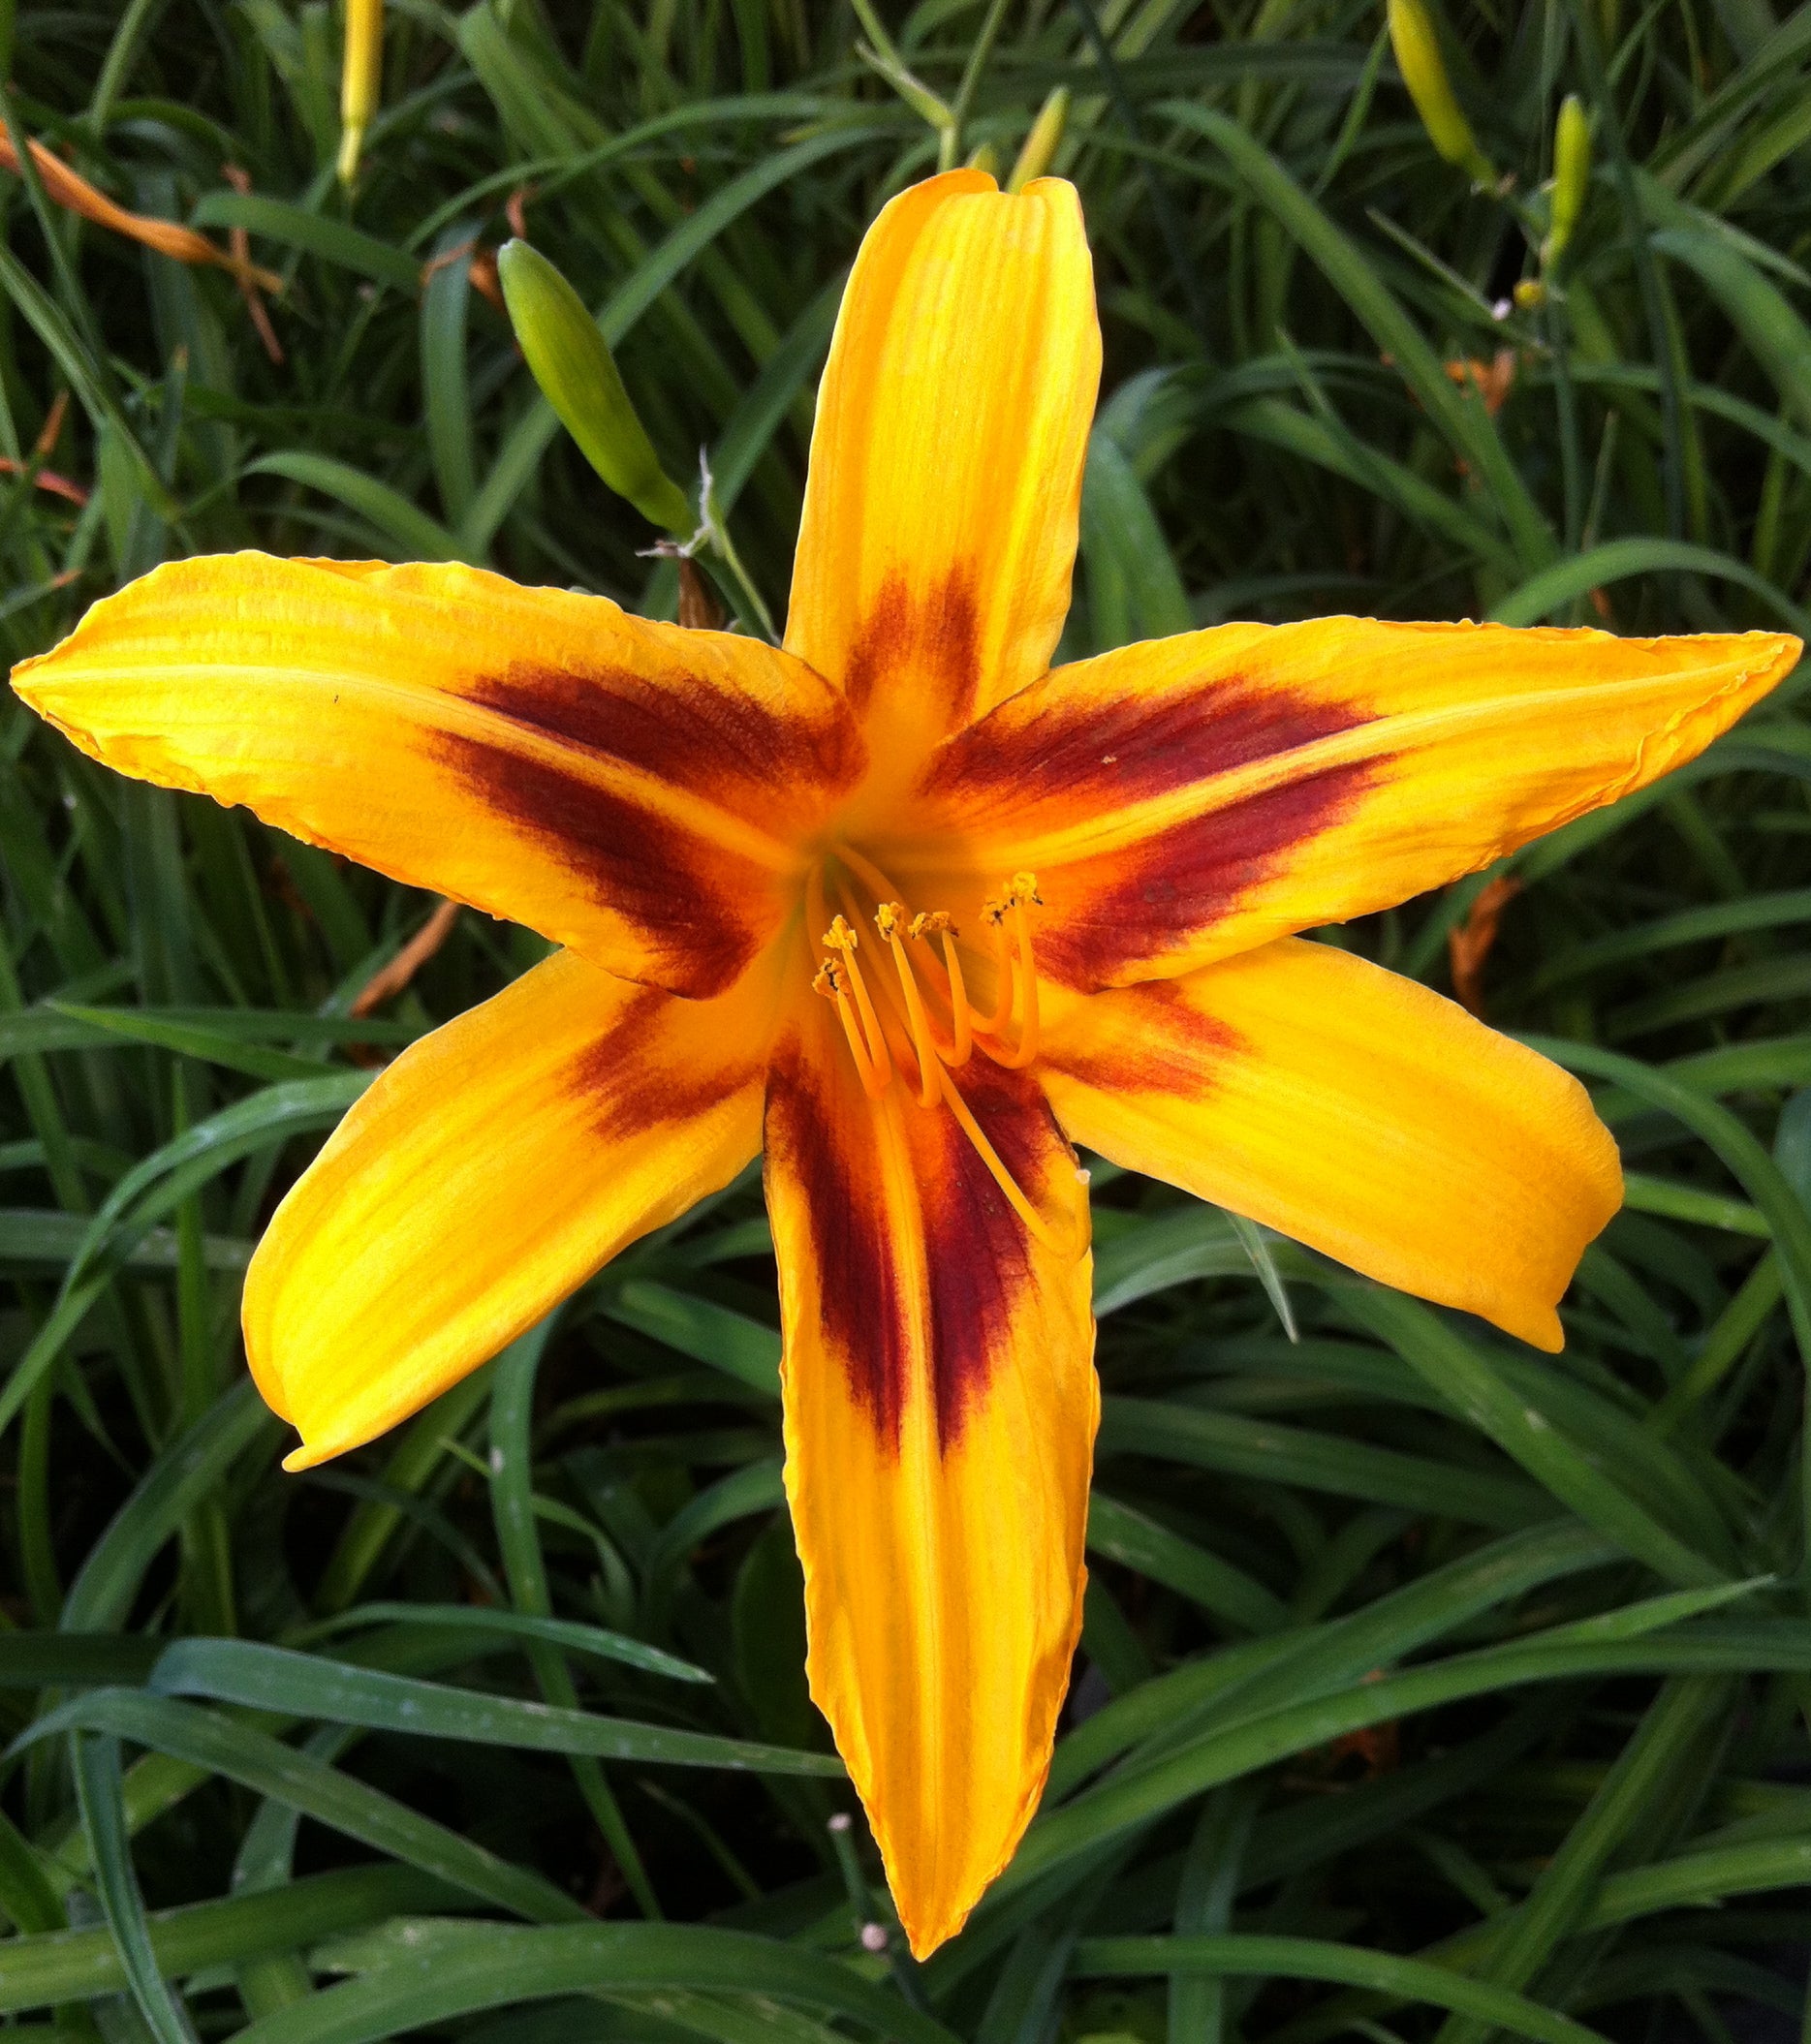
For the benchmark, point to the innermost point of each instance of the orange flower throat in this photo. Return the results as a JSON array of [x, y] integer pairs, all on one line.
[[923, 1021]]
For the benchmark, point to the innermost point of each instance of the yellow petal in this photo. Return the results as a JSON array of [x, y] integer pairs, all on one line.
[[940, 1417], [633, 790], [490, 1169], [1186, 800], [1353, 1110], [939, 531]]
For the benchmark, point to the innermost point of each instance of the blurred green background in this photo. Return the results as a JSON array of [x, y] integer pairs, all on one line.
[[1430, 1688]]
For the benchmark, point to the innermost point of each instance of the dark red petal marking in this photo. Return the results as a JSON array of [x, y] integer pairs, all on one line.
[[1165, 1044], [924, 641], [686, 896], [1055, 756], [860, 1300], [1130, 906], [703, 909], [712, 740], [1043, 746], [977, 1255], [630, 1088]]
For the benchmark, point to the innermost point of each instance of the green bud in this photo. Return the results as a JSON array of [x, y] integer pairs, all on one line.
[[1418, 58], [1046, 131], [1572, 178], [360, 79], [572, 363]]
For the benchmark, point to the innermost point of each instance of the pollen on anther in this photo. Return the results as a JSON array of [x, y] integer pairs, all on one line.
[[1024, 889], [829, 981], [839, 937], [932, 922], [889, 918], [994, 913]]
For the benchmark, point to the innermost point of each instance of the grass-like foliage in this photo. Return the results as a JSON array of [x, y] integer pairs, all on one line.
[[1430, 1688]]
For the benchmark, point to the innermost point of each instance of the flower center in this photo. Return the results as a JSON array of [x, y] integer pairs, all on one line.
[[916, 1023]]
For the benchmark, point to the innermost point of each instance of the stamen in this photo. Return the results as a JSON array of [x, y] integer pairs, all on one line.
[[993, 914], [936, 923], [840, 937], [1024, 889], [1034, 1221], [889, 917], [830, 983]]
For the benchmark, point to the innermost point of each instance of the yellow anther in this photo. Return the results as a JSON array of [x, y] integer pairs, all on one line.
[[890, 918], [931, 923], [840, 937], [1024, 889], [993, 914], [829, 980]]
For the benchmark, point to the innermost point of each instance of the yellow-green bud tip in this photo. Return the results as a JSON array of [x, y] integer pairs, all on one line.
[[1041, 145]]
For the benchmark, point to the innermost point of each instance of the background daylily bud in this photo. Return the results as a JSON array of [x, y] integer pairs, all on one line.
[[361, 76], [577, 375], [1571, 177], [1046, 131], [1418, 58]]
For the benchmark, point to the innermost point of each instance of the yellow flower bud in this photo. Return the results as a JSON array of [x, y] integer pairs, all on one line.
[[361, 80], [1530, 294], [1572, 178], [1040, 146], [1418, 58], [572, 363]]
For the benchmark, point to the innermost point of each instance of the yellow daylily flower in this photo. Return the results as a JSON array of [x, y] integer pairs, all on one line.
[[912, 915]]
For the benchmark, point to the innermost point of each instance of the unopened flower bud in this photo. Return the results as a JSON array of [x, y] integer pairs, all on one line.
[[1572, 178], [1418, 58], [572, 363], [1039, 145], [360, 79]]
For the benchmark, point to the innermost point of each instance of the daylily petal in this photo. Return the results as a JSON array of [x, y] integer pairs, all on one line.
[[940, 1414], [491, 1168], [1354, 1110], [1191, 797], [939, 531], [630, 788]]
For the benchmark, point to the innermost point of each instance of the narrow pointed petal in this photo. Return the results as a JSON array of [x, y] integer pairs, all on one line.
[[1189, 799], [940, 1417], [489, 1170], [629, 788], [1354, 1110], [939, 532]]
